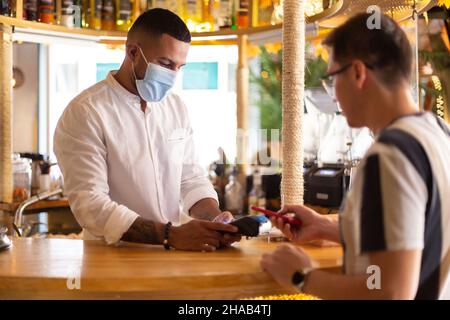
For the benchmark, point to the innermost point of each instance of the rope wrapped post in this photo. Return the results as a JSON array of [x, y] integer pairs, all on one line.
[[292, 101], [242, 81], [6, 53]]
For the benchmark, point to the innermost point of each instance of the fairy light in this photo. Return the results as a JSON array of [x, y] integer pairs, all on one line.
[[297, 296], [440, 105]]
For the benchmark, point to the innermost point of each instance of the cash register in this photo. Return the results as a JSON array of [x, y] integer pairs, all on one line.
[[326, 185]]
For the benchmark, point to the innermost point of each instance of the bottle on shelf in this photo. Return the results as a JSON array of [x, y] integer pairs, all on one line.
[[215, 14], [8, 8], [208, 15], [30, 10], [108, 15], [234, 194], [136, 7], [262, 12], [224, 14], [123, 20], [257, 196], [233, 15], [192, 10], [46, 11], [242, 14], [78, 13], [86, 14], [96, 14], [67, 13], [58, 11]]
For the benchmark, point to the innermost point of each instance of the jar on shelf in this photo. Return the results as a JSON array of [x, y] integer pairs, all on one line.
[[21, 178]]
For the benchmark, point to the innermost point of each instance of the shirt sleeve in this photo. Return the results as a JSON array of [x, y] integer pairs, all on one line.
[[393, 203], [81, 152], [195, 184]]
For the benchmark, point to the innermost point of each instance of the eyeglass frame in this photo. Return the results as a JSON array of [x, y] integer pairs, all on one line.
[[339, 71]]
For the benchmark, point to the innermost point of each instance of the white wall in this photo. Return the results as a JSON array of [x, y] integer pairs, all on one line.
[[25, 98]]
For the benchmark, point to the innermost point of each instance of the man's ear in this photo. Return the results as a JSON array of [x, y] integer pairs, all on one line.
[[359, 72], [131, 52]]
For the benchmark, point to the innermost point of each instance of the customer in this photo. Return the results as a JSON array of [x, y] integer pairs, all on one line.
[[397, 213]]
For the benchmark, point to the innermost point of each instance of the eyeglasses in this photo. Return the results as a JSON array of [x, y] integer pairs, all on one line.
[[328, 79]]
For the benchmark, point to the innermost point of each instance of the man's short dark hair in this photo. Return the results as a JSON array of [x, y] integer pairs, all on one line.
[[158, 21], [386, 49]]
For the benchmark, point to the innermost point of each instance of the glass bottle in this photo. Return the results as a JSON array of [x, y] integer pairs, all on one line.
[[67, 13], [96, 15], [224, 15], [108, 15], [30, 10], [257, 196], [242, 16], [123, 15], [47, 11], [234, 194], [193, 13]]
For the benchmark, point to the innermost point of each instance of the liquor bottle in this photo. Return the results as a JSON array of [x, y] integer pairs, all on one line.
[[136, 9], [264, 11], [234, 194], [67, 13], [30, 10], [215, 12], [86, 14], [224, 15], [207, 16], [78, 13], [108, 15], [123, 21], [242, 15], [233, 15], [46, 11], [96, 15], [8, 8], [193, 12], [58, 11], [257, 196]]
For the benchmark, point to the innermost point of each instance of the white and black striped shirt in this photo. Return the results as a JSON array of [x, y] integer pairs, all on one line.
[[400, 200]]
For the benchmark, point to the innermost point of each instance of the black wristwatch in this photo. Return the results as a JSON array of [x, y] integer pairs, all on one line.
[[166, 235], [299, 277]]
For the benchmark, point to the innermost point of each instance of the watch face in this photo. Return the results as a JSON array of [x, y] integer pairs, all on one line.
[[297, 278]]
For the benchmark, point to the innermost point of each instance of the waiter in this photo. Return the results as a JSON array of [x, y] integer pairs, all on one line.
[[125, 147]]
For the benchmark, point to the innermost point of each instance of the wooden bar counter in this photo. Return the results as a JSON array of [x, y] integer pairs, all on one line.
[[47, 268]]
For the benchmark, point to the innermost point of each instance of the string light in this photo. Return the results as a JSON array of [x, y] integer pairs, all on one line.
[[440, 105], [297, 296]]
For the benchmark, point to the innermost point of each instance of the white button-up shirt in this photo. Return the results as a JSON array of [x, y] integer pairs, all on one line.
[[119, 163]]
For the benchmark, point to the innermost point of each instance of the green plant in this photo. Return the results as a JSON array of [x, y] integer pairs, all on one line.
[[268, 83]]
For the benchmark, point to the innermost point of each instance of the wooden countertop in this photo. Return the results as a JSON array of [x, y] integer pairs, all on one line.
[[40, 269]]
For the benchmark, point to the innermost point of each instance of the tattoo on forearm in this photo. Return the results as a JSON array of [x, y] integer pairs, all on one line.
[[143, 231]]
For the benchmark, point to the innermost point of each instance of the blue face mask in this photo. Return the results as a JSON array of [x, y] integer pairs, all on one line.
[[156, 83]]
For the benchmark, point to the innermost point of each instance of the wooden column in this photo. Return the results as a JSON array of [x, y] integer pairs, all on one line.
[[242, 84], [292, 101], [6, 54]]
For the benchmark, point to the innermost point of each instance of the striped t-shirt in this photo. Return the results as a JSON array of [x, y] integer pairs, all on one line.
[[400, 200]]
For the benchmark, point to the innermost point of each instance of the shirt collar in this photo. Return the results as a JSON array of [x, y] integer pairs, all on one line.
[[127, 95]]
